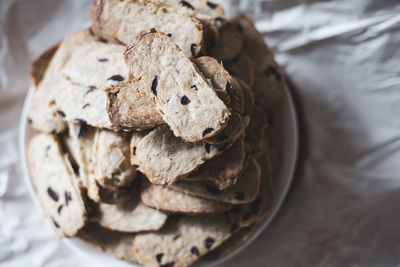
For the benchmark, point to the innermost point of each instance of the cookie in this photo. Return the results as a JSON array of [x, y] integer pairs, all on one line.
[[243, 191], [57, 187], [135, 139], [229, 43], [79, 143], [117, 244], [129, 214], [272, 138], [164, 158], [242, 68], [122, 21], [224, 169], [129, 108], [268, 77], [165, 198], [183, 242], [200, 8], [40, 64], [255, 132], [185, 100], [111, 166], [256, 211], [248, 97]]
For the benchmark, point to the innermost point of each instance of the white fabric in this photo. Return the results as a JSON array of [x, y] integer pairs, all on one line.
[[343, 60]]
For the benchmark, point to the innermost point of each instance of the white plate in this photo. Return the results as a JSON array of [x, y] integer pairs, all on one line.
[[282, 181]]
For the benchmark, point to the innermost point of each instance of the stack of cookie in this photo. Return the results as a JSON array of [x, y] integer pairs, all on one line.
[[155, 137]]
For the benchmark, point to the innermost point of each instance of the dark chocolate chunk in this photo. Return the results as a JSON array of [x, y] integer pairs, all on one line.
[[59, 209], [255, 206], [82, 128], [134, 150], [207, 131], [213, 190], [53, 194], [85, 106], [185, 100], [194, 87], [103, 59], [176, 237], [159, 257], [207, 146], [55, 223], [29, 121], [62, 114], [229, 89], [153, 30], [211, 5], [239, 195], [186, 4], [195, 251], [68, 197], [169, 264], [209, 242], [117, 78], [169, 34], [154, 85], [193, 48]]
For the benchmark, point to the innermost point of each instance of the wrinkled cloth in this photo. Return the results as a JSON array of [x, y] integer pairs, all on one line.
[[342, 59]]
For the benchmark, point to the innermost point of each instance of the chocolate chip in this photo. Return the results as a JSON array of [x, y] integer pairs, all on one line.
[[169, 264], [82, 129], [53, 194], [209, 242], [159, 257], [239, 195], [229, 89], [29, 121], [255, 206], [193, 48], [186, 4], [117, 78], [207, 131], [62, 114], [134, 150], [68, 197], [194, 87], [185, 100], [154, 85], [59, 209], [211, 5], [85, 106], [176, 237], [213, 190], [153, 30], [207, 146], [55, 223], [195, 251], [103, 59], [169, 34]]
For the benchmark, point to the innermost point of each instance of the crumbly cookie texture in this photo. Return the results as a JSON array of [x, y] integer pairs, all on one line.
[[121, 21], [242, 68], [115, 243], [129, 108], [200, 8], [164, 158], [185, 100], [111, 166], [256, 211], [57, 187], [165, 198], [268, 77], [243, 191], [129, 214], [183, 242], [223, 170], [40, 64]]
